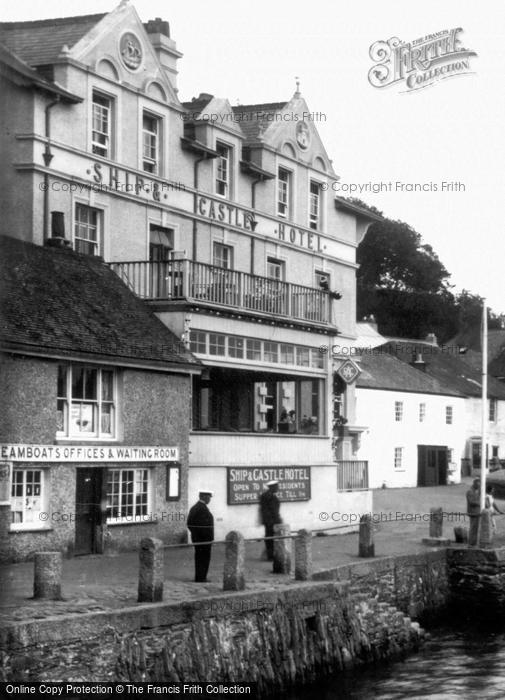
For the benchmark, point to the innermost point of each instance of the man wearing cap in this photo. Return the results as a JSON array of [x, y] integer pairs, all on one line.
[[201, 525], [270, 514]]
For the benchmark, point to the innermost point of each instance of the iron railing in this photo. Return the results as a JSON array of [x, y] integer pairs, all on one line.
[[352, 475], [195, 281]]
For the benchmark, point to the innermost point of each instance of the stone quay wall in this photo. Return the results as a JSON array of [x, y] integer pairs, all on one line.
[[345, 617]]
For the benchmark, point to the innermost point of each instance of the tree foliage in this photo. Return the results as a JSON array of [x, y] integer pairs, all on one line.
[[403, 283]]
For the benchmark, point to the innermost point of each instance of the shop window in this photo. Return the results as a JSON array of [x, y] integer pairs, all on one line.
[[235, 400], [216, 344], [223, 162], [270, 352], [151, 144], [287, 354], [235, 346], [101, 135], [27, 498], [283, 192], [128, 494], [198, 342], [87, 230], [253, 351], [86, 402]]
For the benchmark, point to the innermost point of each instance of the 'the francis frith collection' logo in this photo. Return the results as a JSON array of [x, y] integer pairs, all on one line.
[[130, 49], [419, 63]]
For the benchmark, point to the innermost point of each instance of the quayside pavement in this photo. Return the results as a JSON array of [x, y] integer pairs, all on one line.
[[98, 582]]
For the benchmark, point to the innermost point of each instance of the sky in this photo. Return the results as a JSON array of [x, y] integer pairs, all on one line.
[[452, 131]]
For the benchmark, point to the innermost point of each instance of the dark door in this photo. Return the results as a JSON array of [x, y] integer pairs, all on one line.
[[431, 465], [88, 513]]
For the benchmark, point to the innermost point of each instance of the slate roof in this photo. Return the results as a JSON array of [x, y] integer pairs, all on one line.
[[58, 302], [19, 72], [39, 42], [381, 370], [445, 365], [253, 125]]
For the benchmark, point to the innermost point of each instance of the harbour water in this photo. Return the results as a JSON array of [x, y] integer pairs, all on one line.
[[453, 663]]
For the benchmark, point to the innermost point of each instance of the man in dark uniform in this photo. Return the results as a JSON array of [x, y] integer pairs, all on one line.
[[201, 525], [473, 511], [270, 514]]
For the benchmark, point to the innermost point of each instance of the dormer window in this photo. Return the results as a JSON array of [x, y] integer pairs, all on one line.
[[223, 170]]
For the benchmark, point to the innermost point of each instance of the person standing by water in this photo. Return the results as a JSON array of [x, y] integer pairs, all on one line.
[[491, 505], [201, 526], [270, 514], [473, 511]]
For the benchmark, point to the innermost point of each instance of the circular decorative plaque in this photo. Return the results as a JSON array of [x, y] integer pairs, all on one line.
[[130, 50], [302, 135]]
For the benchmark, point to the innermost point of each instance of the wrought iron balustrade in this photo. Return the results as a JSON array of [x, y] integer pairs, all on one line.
[[185, 279]]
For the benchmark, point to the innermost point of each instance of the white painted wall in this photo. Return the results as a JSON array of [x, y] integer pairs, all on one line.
[[341, 508], [376, 409], [496, 429]]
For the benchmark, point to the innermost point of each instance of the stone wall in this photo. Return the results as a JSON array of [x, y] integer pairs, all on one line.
[[417, 584], [275, 638], [477, 578]]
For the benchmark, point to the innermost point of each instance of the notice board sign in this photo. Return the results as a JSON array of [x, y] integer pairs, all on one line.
[[246, 484]]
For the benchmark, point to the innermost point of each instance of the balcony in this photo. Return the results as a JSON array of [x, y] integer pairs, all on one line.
[[214, 286], [352, 475]]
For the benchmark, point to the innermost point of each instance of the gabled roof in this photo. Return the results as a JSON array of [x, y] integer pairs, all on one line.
[[56, 302], [382, 370], [445, 365], [19, 72], [40, 42], [255, 119]]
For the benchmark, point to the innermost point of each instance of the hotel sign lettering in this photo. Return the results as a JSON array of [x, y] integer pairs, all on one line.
[[230, 215], [246, 484], [88, 453]]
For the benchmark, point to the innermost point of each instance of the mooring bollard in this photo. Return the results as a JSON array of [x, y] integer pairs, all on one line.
[[366, 543], [151, 557], [233, 575], [461, 535], [486, 533], [436, 538], [282, 550], [47, 575], [303, 556]]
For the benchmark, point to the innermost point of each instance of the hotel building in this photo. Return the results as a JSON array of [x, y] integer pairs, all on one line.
[[223, 220]]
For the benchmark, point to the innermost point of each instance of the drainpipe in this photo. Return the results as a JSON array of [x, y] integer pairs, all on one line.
[[195, 185], [253, 206], [47, 156]]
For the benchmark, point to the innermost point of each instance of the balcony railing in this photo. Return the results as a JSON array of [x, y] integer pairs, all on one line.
[[352, 475], [185, 279]]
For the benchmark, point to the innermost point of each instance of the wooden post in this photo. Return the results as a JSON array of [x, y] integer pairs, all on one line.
[[233, 575], [151, 557], [303, 556], [366, 543]]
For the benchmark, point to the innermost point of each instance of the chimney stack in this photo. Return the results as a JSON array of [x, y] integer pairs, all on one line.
[[58, 239], [431, 338], [418, 362], [158, 31]]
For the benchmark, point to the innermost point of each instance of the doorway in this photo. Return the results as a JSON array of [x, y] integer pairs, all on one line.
[[432, 465], [88, 514]]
